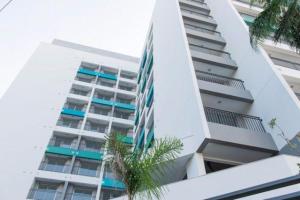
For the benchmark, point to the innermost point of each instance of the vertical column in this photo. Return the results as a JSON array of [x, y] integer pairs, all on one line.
[[64, 192], [196, 166]]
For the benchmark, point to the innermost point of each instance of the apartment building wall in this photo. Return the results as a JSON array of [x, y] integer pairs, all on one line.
[[32, 105], [178, 105]]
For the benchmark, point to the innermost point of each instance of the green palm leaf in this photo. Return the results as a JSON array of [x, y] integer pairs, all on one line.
[[141, 171]]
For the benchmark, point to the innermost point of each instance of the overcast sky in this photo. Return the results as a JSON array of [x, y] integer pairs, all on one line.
[[116, 25]]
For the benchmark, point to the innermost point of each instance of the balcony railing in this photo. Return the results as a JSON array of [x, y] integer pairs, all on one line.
[[54, 167], [234, 119], [79, 196], [69, 124], [202, 29], [200, 2], [211, 51], [85, 171], [44, 194], [285, 63], [196, 13], [223, 80], [124, 115], [99, 128], [130, 89], [62, 142]]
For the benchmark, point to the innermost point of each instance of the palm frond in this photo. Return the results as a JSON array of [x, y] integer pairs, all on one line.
[[280, 20], [139, 170]]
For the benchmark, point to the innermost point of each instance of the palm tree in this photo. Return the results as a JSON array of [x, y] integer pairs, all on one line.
[[141, 170], [280, 19]]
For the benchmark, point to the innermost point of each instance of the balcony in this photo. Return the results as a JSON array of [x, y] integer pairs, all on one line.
[[218, 79], [125, 102], [87, 144], [107, 76], [285, 63], [234, 119], [86, 168], [125, 134], [197, 13], [149, 138], [211, 51], [102, 102], [100, 94], [56, 164], [44, 194], [96, 126], [110, 181], [100, 110], [45, 191], [69, 122], [223, 86], [140, 139], [80, 193], [150, 94], [63, 141], [84, 76], [123, 114], [127, 86], [219, 58], [234, 132], [128, 75], [72, 112], [203, 33], [200, 24], [107, 194], [106, 82], [80, 90]]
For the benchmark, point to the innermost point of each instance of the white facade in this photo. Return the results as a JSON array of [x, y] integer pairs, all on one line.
[[32, 111]]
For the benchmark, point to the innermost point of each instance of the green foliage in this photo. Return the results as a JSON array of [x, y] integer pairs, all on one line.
[[280, 19], [272, 123], [142, 171]]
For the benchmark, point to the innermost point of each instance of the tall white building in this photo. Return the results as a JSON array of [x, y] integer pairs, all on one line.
[[198, 80], [56, 115], [201, 81]]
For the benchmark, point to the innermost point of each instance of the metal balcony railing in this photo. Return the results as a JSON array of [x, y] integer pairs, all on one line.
[[202, 29], [196, 13], [234, 119], [124, 115], [44, 194], [83, 171], [54, 167], [286, 63], [130, 89], [80, 196], [211, 51], [69, 124], [254, 4], [223, 80], [96, 128], [200, 2], [80, 92], [63, 142]]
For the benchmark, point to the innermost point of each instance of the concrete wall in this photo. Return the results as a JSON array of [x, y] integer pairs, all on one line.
[[177, 104], [30, 109]]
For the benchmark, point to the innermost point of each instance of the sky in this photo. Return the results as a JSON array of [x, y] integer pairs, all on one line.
[[115, 25]]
